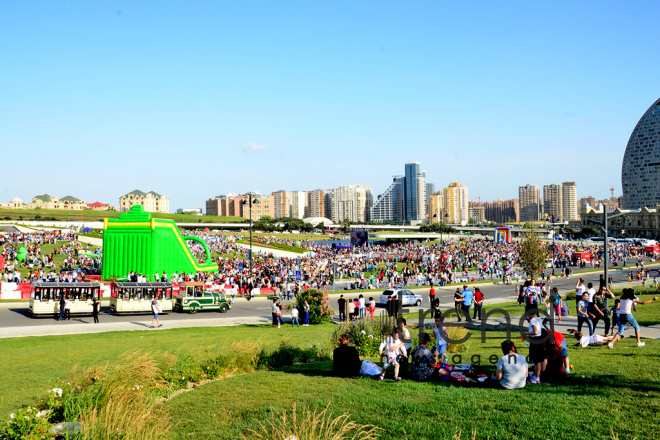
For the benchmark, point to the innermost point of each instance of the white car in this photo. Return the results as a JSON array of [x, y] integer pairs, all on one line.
[[407, 297]]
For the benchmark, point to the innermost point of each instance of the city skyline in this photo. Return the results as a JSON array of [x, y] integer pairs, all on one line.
[[181, 99]]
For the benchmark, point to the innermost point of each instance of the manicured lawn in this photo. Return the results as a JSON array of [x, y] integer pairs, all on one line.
[[90, 215], [58, 259], [31, 365], [620, 389], [278, 246]]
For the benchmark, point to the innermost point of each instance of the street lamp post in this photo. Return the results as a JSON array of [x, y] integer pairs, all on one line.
[[603, 225], [552, 219], [251, 201]]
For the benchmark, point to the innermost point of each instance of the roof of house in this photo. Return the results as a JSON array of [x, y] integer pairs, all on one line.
[[44, 198], [69, 199], [136, 192], [98, 204]]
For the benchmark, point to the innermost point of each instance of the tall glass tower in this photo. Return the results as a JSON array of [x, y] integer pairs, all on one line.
[[414, 193], [640, 174]]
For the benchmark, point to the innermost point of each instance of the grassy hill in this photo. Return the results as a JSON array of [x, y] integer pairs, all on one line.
[[89, 215]]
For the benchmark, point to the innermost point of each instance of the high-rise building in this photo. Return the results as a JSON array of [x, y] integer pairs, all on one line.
[[328, 204], [456, 203], [232, 205], [414, 193], [316, 204], [476, 212], [502, 211], [553, 202], [430, 190], [640, 172], [352, 203], [591, 201], [529, 201], [436, 208], [281, 202], [569, 200], [388, 208], [298, 202]]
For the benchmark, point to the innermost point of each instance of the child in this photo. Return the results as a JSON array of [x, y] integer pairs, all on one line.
[[615, 315], [392, 347], [585, 341], [441, 343]]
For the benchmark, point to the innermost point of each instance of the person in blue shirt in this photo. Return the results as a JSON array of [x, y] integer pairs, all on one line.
[[467, 301]]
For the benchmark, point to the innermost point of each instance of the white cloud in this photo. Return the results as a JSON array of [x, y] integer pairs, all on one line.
[[252, 146]]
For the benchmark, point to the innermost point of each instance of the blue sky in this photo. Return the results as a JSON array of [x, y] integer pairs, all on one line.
[[195, 99]]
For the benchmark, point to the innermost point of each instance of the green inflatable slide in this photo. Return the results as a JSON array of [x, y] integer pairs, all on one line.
[[137, 242]]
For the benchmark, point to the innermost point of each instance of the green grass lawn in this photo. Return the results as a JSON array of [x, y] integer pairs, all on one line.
[[620, 388], [37, 362], [91, 215], [278, 246]]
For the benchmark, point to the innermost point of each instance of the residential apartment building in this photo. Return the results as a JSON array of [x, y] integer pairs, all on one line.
[[553, 204], [502, 211], [352, 203], [476, 212], [229, 205], [570, 210], [414, 193], [389, 207], [529, 199], [456, 203], [436, 208], [151, 201], [46, 201], [315, 206]]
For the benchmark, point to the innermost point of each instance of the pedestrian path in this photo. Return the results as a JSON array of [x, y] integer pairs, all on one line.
[[141, 323]]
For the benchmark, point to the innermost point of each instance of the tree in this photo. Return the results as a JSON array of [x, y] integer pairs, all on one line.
[[532, 254]]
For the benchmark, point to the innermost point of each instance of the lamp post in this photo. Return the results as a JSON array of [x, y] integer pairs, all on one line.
[[552, 219], [251, 200], [603, 227]]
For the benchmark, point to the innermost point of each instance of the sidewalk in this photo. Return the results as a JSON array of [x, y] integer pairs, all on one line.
[[140, 324]]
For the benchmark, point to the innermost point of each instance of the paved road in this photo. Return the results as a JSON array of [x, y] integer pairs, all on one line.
[[243, 311]]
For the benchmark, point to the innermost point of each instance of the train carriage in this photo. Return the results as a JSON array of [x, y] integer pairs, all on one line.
[[136, 298], [45, 297]]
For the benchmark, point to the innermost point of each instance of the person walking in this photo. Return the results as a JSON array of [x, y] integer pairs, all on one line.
[[467, 301], [431, 295], [372, 307], [96, 304], [341, 302], [584, 315], [458, 300], [62, 311], [294, 317], [273, 311], [628, 299], [599, 308], [67, 308], [155, 309], [478, 302]]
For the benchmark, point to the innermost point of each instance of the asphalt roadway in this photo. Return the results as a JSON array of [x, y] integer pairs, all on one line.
[[16, 314]]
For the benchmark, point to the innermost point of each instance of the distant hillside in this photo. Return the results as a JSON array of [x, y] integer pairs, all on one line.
[[89, 215]]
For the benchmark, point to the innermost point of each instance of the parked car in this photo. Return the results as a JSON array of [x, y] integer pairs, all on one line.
[[406, 296]]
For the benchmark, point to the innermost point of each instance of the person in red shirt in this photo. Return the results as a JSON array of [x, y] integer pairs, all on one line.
[[478, 302], [431, 295]]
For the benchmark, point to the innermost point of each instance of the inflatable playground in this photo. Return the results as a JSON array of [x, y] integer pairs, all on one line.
[[137, 242], [502, 234]]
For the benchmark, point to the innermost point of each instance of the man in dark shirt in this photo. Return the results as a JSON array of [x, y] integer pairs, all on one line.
[[345, 359], [342, 308]]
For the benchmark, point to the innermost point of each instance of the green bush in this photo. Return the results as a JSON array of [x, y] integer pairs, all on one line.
[[570, 295], [26, 425], [319, 310], [365, 336]]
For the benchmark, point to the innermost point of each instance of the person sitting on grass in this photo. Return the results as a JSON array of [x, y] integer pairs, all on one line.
[[628, 301], [585, 341], [511, 372], [392, 347], [345, 359], [424, 361]]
